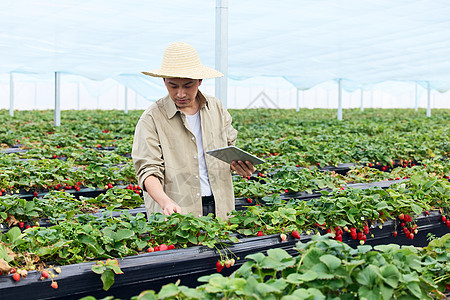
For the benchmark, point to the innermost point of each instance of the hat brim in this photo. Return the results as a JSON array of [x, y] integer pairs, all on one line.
[[199, 73]]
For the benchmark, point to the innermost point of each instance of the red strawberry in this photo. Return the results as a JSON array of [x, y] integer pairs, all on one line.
[[338, 238], [16, 276], [295, 234], [157, 248], [447, 223], [427, 213], [444, 219], [403, 224], [370, 165], [150, 249], [110, 185], [286, 191], [28, 226], [354, 235], [35, 194], [360, 235], [342, 188], [78, 183], [45, 274], [366, 229], [408, 218], [54, 285], [384, 168], [249, 200], [21, 224], [171, 247], [394, 233], [401, 216], [411, 236], [260, 233], [219, 266]]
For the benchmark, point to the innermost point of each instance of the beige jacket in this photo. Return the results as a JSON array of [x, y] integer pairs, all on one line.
[[164, 146]]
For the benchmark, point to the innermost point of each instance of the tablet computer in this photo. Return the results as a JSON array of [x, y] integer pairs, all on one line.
[[232, 153]]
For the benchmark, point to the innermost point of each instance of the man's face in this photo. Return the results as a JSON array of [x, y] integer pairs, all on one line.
[[183, 91]]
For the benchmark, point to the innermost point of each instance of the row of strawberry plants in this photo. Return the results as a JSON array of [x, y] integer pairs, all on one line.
[[326, 269], [292, 179], [77, 238]]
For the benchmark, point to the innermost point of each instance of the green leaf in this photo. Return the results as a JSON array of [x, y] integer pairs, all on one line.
[[416, 209], [258, 257], [107, 279], [123, 234], [386, 292], [365, 292], [390, 275], [147, 295], [367, 277], [265, 289], [98, 269], [169, 290], [331, 261], [415, 289], [296, 278]]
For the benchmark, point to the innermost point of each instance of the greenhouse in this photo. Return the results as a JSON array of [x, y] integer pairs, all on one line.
[[343, 108]]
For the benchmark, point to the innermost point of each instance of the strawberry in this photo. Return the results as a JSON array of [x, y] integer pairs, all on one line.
[[110, 185], [157, 248], [354, 235], [338, 237], [249, 200], [283, 237], [401, 216], [13, 270], [78, 183], [21, 224], [286, 191], [370, 165], [444, 219], [35, 194], [383, 168], [447, 223], [219, 266], [16, 276], [260, 233], [411, 235], [171, 247], [408, 218], [394, 233], [342, 188], [163, 247], [150, 249], [228, 263], [427, 213], [45, 274], [54, 285], [318, 164], [55, 156], [403, 224], [28, 226], [366, 229], [295, 234], [360, 235]]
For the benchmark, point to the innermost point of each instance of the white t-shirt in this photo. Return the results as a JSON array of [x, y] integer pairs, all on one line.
[[196, 128]]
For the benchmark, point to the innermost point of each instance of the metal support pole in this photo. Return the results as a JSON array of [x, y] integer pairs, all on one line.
[[298, 99], [126, 100], [222, 49], [416, 95], [339, 112], [57, 100], [78, 96], [362, 100], [11, 94], [428, 100]]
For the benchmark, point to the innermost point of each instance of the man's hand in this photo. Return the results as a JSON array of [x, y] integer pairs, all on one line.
[[169, 207], [243, 168]]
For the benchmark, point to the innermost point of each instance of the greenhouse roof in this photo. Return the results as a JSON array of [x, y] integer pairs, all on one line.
[[305, 42]]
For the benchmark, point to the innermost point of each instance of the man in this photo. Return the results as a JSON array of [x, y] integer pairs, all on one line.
[[174, 133]]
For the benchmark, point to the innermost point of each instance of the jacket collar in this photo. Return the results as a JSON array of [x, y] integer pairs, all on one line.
[[171, 109]]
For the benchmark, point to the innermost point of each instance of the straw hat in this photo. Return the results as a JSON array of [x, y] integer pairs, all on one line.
[[181, 60]]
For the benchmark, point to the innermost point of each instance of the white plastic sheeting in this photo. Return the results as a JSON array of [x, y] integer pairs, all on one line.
[[305, 42]]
